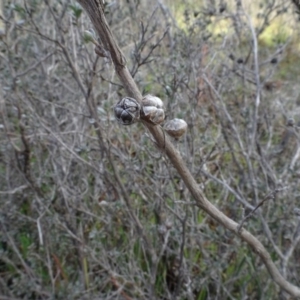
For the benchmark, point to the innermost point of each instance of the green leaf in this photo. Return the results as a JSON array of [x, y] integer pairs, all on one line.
[[77, 10]]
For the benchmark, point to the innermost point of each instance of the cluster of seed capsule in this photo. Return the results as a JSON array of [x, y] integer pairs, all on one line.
[[151, 110]]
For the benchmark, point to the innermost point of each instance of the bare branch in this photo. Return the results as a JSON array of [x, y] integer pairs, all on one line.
[[95, 11]]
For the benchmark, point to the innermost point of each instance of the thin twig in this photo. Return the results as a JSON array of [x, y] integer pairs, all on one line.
[[270, 196]]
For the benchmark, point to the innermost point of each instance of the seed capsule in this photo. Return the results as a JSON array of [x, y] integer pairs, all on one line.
[[127, 111], [152, 110], [175, 127]]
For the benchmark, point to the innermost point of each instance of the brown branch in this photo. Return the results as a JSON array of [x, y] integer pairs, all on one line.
[[95, 11], [118, 287]]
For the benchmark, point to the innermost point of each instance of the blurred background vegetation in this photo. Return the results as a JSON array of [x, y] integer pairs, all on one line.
[[93, 210]]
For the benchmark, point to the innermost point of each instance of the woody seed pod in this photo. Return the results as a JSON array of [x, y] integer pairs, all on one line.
[[127, 111], [152, 110], [175, 127]]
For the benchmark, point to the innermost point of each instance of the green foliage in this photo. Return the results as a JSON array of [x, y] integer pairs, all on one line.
[[76, 10], [20, 10]]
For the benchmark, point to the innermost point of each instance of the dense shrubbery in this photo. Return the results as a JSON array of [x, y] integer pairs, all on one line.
[[72, 194]]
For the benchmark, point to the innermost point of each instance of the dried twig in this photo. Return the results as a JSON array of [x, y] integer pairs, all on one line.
[[270, 196], [94, 8]]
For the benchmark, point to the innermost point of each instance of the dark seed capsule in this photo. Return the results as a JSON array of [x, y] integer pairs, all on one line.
[[127, 111]]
